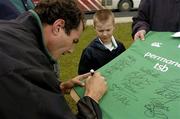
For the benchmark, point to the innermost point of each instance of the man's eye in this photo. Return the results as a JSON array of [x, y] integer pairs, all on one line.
[[75, 41]]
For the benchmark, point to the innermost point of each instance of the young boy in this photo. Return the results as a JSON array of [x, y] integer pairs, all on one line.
[[104, 47]]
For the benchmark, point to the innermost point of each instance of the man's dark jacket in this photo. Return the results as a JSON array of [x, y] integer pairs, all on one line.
[[95, 55], [29, 88], [157, 15]]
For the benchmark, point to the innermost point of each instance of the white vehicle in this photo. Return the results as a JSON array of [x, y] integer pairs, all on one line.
[[93, 5], [122, 5]]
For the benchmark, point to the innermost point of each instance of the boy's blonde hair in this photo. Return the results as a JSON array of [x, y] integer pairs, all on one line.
[[103, 15]]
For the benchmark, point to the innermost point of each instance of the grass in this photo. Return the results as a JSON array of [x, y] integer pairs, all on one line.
[[69, 63]]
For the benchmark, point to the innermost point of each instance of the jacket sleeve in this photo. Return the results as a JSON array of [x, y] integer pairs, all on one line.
[[9, 10], [85, 63], [141, 21], [88, 109]]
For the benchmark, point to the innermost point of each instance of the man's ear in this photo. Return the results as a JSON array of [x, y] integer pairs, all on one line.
[[57, 26]]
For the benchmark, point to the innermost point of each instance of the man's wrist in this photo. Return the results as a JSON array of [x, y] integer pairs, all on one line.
[[92, 97]]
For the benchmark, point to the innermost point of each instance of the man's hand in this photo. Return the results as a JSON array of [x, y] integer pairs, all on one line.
[[96, 86], [140, 35], [68, 85]]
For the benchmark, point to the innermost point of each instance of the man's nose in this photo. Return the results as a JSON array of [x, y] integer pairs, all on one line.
[[72, 49]]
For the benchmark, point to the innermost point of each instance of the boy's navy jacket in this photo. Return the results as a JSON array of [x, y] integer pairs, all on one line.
[[96, 55]]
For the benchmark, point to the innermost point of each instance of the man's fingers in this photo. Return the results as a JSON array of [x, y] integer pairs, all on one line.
[[141, 36], [84, 76]]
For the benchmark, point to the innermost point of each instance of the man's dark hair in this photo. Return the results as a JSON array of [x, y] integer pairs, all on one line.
[[51, 10]]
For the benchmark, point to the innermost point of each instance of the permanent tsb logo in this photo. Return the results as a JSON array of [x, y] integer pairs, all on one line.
[[164, 62], [156, 44]]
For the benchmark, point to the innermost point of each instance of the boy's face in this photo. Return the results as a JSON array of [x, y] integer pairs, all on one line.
[[104, 30]]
